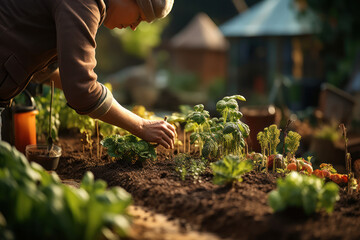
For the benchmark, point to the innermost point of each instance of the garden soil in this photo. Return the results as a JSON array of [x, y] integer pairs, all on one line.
[[201, 210]]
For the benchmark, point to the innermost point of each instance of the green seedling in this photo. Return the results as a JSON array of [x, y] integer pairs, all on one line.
[[129, 148], [230, 169], [269, 140], [186, 166], [198, 120], [218, 136], [42, 118], [309, 193], [292, 143], [229, 108]]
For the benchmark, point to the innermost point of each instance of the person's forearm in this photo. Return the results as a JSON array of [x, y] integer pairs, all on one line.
[[157, 131], [123, 118]]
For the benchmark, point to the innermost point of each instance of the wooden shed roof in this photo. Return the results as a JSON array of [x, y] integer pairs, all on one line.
[[200, 33]]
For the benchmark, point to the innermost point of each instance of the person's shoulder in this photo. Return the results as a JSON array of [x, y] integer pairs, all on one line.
[[83, 7], [82, 3]]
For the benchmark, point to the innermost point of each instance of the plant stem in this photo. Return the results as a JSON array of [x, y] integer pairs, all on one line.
[[347, 158]]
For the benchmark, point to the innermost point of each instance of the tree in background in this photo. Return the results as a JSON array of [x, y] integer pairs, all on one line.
[[146, 37], [340, 21]]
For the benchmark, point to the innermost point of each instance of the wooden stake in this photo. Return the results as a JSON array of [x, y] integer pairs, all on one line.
[[184, 141], [97, 139], [347, 158]]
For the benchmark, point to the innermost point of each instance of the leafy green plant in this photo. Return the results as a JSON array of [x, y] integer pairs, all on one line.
[[328, 132], [228, 107], [230, 169], [269, 140], [65, 117], [292, 142], [198, 119], [42, 118], [36, 205], [129, 148], [234, 131], [222, 136], [140, 42], [305, 192]]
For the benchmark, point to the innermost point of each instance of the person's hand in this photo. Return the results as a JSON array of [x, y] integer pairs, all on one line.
[[156, 131]]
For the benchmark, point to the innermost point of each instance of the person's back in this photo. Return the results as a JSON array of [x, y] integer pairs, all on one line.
[[36, 34], [33, 31]]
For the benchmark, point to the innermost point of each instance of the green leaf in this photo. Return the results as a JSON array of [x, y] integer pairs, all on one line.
[[87, 182], [232, 104], [230, 127], [239, 97], [220, 106], [304, 192], [230, 169], [199, 108]]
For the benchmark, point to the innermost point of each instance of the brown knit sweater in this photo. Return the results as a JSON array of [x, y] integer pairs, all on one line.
[[36, 33]]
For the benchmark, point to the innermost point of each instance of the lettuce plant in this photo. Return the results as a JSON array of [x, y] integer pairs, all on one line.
[[129, 148], [230, 169], [305, 192]]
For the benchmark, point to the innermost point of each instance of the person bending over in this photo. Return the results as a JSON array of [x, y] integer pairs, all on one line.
[[55, 39]]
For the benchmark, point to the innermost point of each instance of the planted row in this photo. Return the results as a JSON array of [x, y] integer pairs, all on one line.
[[36, 205]]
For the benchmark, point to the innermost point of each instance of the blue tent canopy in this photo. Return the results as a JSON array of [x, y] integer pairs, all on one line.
[[272, 18]]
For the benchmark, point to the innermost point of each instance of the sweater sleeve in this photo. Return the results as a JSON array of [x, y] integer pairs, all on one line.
[[77, 22]]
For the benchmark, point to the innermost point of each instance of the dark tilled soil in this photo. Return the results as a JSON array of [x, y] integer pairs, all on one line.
[[238, 212]]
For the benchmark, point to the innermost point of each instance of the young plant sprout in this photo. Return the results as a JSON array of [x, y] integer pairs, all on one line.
[[198, 118], [273, 134], [258, 159], [264, 143], [230, 169], [269, 140], [292, 143], [129, 147], [218, 136], [229, 108], [352, 183]]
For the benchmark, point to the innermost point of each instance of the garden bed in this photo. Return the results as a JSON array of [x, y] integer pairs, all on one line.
[[238, 212]]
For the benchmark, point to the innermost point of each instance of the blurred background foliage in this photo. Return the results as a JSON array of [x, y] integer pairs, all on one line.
[[118, 49], [340, 20], [141, 42]]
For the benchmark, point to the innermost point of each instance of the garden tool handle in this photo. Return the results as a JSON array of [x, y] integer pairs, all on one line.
[[50, 140]]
